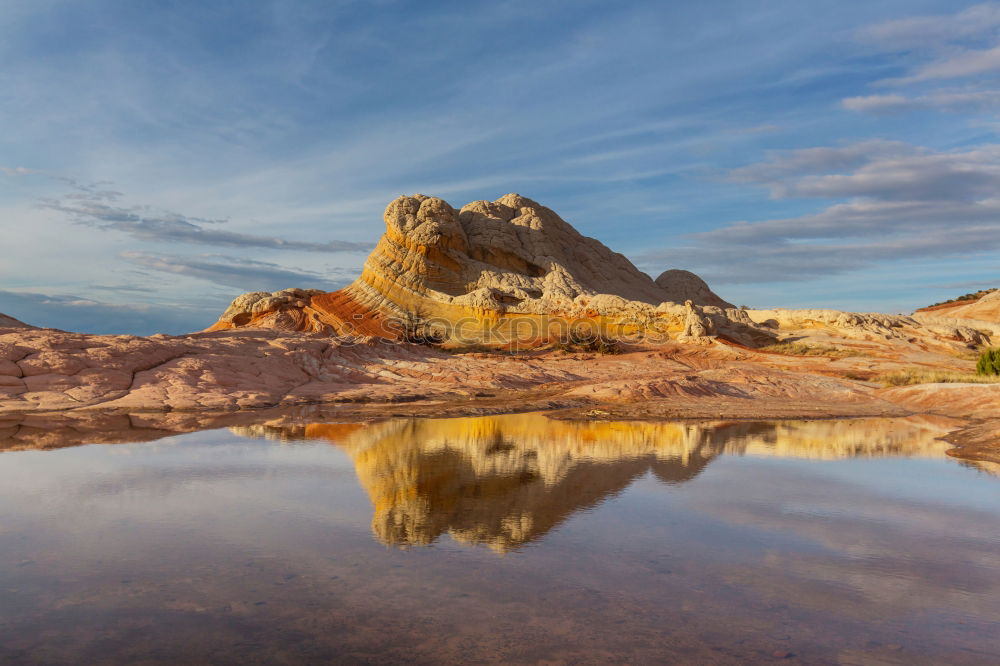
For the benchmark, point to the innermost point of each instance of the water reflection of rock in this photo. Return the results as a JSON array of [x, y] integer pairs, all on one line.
[[507, 480]]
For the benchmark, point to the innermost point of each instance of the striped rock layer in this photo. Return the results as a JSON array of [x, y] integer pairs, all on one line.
[[493, 271]]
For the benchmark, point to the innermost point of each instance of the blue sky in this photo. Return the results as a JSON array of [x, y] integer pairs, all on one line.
[[159, 158]]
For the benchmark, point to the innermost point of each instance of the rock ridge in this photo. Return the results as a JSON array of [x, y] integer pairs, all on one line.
[[9, 322]]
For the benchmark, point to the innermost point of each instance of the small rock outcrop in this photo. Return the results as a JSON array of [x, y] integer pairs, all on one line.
[[696, 324], [10, 322], [285, 310]]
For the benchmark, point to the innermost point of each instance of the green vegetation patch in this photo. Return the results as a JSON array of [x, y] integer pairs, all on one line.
[[974, 296], [989, 363]]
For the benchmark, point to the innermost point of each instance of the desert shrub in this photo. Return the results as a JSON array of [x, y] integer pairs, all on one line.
[[597, 344], [606, 346], [976, 295], [412, 327], [989, 362], [966, 354]]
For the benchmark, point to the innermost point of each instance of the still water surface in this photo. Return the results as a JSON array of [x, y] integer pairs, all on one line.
[[503, 539]]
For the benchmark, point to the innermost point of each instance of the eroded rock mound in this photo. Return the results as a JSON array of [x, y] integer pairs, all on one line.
[[285, 310], [509, 269], [681, 286], [487, 259]]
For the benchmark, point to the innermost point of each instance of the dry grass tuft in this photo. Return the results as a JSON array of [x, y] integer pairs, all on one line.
[[912, 376], [971, 354], [598, 345], [803, 349]]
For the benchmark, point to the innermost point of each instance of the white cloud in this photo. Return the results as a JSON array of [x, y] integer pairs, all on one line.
[[954, 46], [880, 103], [245, 274], [783, 166], [929, 31], [963, 101], [961, 64], [93, 205]]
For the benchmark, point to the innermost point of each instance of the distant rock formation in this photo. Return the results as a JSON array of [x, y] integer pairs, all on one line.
[[681, 286], [10, 322], [921, 331], [985, 308], [510, 267]]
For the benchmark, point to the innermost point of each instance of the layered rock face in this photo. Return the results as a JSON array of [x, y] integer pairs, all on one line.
[[493, 271]]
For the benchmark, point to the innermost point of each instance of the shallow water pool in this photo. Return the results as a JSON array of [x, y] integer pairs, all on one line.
[[513, 539]]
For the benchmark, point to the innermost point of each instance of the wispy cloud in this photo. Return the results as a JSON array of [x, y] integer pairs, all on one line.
[[19, 171], [964, 63], [934, 31], [246, 274], [944, 100], [952, 46], [975, 285], [783, 166], [93, 206], [883, 175], [902, 202], [88, 315], [120, 288]]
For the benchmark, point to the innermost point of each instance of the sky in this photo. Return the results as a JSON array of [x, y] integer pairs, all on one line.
[[158, 159]]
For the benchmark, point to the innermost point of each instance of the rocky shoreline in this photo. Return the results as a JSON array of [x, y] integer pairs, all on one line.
[[98, 386]]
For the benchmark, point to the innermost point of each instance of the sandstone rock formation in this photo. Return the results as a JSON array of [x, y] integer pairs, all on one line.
[[511, 271], [498, 271], [285, 310]]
